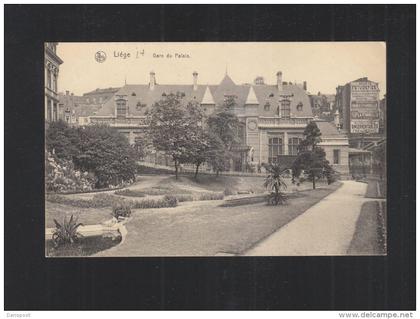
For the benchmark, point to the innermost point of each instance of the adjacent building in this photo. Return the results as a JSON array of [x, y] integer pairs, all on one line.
[[358, 104], [272, 116], [51, 71]]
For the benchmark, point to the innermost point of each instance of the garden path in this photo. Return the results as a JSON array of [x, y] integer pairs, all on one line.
[[326, 228]]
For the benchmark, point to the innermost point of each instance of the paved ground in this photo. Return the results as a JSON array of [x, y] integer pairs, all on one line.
[[326, 228], [202, 228]]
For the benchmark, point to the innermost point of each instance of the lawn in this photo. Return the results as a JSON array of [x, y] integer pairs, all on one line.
[[87, 216], [368, 238], [205, 229]]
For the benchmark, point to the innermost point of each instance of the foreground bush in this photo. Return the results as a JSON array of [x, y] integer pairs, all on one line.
[[98, 149], [61, 176], [211, 196], [66, 233], [167, 201], [121, 209], [184, 198], [98, 200], [109, 200]]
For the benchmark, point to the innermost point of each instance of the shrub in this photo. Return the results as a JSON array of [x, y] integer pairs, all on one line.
[[60, 199], [130, 193], [184, 198], [167, 201], [66, 233], [61, 176], [276, 198], [211, 196], [98, 200], [121, 209], [171, 200], [228, 192], [105, 200]]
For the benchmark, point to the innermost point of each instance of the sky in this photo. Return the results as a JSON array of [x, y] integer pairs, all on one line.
[[323, 65]]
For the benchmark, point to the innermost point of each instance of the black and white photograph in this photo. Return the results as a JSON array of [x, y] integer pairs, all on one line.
[[215, 149]]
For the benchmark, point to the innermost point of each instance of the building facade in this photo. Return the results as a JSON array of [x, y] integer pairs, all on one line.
[[51, 72], [273, 117], [358, 103]]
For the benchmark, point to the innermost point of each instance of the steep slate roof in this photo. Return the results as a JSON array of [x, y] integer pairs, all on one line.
[[328, 129], [77, 105], [142, 95]]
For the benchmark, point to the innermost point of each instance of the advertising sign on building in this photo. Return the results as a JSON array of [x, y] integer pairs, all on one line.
[[364, 126], [364, 110]]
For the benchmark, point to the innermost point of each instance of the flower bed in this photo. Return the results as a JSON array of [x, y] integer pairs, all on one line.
[[85, 247]]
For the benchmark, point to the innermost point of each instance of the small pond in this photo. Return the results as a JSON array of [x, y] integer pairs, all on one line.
[[85, 247]]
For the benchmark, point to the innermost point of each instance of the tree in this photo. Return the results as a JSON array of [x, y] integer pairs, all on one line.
[[311, 158], [106, 153], [61, 140], [223, 128], [175, 129], [275, 183]]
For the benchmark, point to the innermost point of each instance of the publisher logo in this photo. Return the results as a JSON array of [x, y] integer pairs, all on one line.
[[100, 56]]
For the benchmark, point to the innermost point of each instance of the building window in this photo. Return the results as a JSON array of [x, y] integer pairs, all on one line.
[[275, 148], [294, 145], [336, 156], [285, 109], [267, 107], [49, 110], [49, 79], [299, 107], [54, 87], [55, 112], [121, 108]]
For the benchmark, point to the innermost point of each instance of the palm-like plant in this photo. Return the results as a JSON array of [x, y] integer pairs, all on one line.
[[66, 233], [275, 183]]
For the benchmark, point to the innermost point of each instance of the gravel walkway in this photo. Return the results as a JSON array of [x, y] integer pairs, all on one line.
[[326, 228]]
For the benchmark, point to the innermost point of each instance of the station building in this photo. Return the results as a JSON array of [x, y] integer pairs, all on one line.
[[273, 117]]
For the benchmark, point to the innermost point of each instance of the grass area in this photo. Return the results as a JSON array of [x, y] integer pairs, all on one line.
[[369, 237], [86, 215], [204, 229]]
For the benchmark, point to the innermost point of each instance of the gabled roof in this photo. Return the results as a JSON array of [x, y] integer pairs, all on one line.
[[208, 97], [252, 98]]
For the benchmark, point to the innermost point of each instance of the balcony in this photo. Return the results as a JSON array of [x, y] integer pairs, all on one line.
[[278, 122]]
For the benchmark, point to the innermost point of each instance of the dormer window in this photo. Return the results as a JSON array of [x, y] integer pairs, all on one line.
[[299, 107], [267, 107], [285, 109], [163, 94], [121, 108], [271, 95], [133, 94]]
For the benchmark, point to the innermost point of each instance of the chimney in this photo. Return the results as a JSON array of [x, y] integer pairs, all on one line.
[[279, 81], [67, 92], [305, 85], [195, 77], [152, 80]]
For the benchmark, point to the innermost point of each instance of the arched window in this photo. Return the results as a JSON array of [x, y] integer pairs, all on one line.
[[275, 148], [121, 108], [285, 109], [299, 107]]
